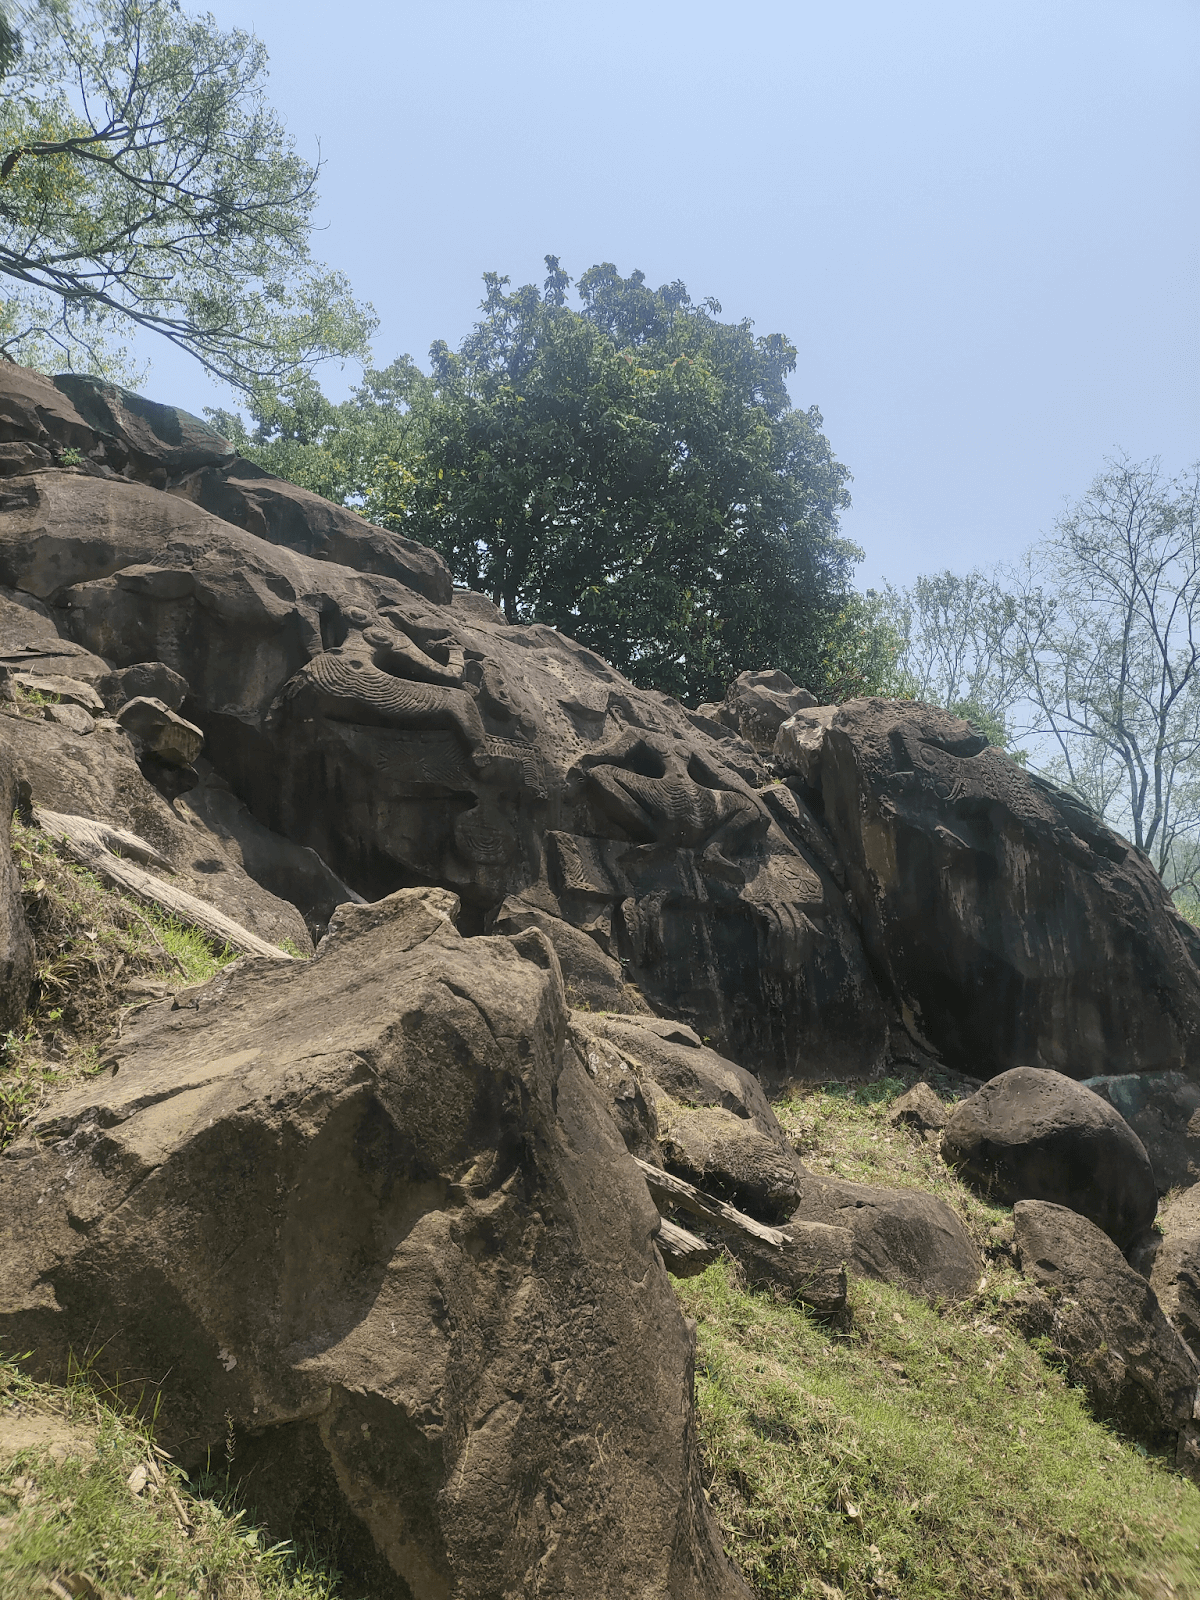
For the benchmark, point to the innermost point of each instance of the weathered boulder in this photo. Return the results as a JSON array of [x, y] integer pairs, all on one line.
[[160, 731], [1005, 919], [594, 980], [673, 1063], [16, 947], [918, 1108], [370, 1209], [73, 717], [1036, 1135], [756, 704], [1108, 1323], [141, 437], [145, 679], [1175, 1272], [901, 1236], [34, 410], [282, 513], [1163, 1109]]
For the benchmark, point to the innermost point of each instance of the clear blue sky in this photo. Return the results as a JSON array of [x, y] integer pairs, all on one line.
[[979, 223]]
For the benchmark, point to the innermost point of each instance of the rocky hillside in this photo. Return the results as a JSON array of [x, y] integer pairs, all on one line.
[[403, 1213]]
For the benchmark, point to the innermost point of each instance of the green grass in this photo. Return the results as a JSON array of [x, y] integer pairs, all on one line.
[[924, 1454], [98, 956], [68, 1512], [843, 1131]]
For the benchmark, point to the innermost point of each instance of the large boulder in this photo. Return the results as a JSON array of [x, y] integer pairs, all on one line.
[[1108, 1323], [141, 437], [16, 946], [900, 1236], [1163, 1109], [1036, 1135], [1009, 924], [1175, 1273], [368, 1211]]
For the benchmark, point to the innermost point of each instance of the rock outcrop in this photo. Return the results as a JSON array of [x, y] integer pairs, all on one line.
[[1012, 926], [371, 1208], [389, 1209], [409, 742], [1037, 1135]]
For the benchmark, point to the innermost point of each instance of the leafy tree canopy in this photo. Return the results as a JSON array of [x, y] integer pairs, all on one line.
[[631, 471], [145, 182]]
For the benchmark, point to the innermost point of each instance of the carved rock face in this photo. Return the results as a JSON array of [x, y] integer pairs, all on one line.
[[408, 743]]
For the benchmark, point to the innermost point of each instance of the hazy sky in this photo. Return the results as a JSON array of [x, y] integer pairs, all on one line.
[[980, 224]]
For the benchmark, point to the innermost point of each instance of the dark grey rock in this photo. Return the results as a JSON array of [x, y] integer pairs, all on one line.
[[140, 436], [144, 680], [901, 1236], [1036, 1135]]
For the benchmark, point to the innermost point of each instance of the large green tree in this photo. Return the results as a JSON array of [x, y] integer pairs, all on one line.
[[630, 470], [146, 183]]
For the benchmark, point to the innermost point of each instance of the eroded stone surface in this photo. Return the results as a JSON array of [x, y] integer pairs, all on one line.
[[1108, 1323], [370, 1208], [405, 741], [1012, 926]]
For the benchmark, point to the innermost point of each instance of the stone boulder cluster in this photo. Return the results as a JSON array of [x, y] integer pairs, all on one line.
[[403, 1213]]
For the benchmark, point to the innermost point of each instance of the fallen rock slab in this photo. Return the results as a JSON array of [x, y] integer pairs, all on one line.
[[369, 1209], [1107, 1321], [1032, 1134]]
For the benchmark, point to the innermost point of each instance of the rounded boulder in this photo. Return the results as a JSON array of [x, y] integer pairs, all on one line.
[[1032, 1134]]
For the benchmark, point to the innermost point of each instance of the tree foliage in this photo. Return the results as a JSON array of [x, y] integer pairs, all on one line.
[[631, 471], [1090, 649], [145, 182]]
